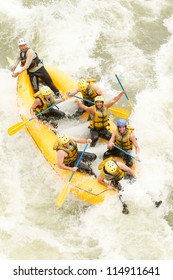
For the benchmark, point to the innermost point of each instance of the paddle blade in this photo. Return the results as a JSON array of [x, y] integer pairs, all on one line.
[[15, 128], [10, 61], [122, 113], [62, 195]]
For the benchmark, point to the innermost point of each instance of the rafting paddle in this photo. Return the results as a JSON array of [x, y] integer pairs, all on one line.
[[63, 193], [18, 126], [127, 97], [125, 152], [122, 113]]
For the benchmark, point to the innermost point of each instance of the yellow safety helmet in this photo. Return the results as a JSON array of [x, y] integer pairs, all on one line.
[[45, 90], [63, 138], [82, 84], [99, 98], [110, 166]]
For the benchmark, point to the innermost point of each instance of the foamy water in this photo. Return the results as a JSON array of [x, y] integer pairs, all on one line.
[[92, 39]]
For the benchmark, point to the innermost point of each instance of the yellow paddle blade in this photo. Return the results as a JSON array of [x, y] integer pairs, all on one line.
[[131, 105], [122, 113], [62, 195], [15, 128], [10, 61]]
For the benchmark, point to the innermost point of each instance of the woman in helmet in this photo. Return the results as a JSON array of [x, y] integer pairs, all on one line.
[[68, 154], [43, 100], [30, 61], [113, 171], [124, 138], [99, 124]]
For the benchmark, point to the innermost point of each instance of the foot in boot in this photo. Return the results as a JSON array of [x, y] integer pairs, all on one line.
[[92, 173], [158, 203], [92, 144]]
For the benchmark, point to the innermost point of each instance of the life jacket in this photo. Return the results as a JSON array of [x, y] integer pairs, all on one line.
[[100, 119], [123, 141], [119, 174], [23, 57], [71, 150], [45, 103], [89, 94]]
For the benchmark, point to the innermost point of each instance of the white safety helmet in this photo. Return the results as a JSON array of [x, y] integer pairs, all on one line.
[[21, 42]]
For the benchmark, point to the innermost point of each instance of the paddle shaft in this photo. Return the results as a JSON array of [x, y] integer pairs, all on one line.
[[79, 160], [47, 109], [124, 90], [63, 193], [82, 99], [125, 152], [15, 128], [125, 207]]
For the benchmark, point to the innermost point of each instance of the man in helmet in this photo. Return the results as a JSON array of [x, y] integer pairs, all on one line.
[[68, 154], [99, 124], [43, 100], [124, 138], [30, 61], [89, 90], [113, 171]]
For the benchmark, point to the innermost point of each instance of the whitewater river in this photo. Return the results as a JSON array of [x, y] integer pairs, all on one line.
[[94, 39]]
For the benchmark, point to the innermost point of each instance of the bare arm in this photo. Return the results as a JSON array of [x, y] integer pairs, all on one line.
[[81, 140], [102, 181], [30, 57], [112, 139], [135, 143], [72, 92], [114, 100], [60, 159], [88, 109], [36, 103], [126, 168], [58, 100], [96, 88]]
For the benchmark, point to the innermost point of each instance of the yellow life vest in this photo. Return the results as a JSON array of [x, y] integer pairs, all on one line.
[[45, 103], [119, 174], [89, 94], [71, 150], [100, 119], [123, 141]]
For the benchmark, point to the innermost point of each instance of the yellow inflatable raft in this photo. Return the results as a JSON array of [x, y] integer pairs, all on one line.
[[83, 186]]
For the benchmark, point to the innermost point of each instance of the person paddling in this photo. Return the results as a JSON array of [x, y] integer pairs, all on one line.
[[89, 90], [124, 138], [68, 154], [29, 60], [43, 100], [99, 124], [113, 171]]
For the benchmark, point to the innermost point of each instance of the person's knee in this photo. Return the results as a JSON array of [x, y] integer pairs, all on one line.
[[108, 135], [61, 114], [106, 154], [91, 157]]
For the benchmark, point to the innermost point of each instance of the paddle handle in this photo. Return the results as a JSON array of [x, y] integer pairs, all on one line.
[[82, 98], [125, 152], [79, 160]]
